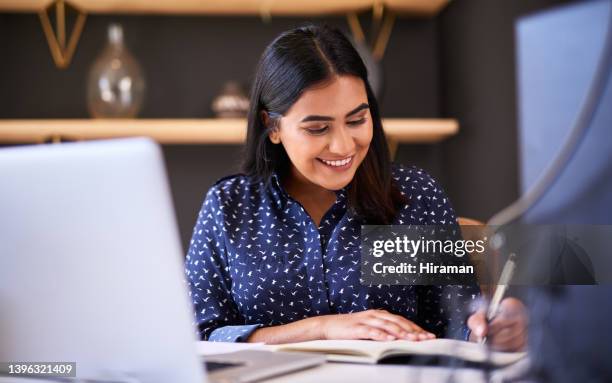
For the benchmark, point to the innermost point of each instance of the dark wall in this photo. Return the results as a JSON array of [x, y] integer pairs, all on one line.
[[459, 64], [477, 86], [186, 60]]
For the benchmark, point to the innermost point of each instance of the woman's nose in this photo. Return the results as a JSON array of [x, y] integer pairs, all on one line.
[[341, 142]]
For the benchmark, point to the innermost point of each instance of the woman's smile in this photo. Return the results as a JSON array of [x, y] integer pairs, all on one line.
[[339, 165]]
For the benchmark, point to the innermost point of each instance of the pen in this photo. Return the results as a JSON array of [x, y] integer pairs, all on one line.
[[500, 290]]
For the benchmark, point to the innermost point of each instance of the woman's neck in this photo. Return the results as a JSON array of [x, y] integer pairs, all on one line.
[[314, 198]]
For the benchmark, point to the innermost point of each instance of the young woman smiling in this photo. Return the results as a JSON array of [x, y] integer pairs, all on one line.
[[275, 253]]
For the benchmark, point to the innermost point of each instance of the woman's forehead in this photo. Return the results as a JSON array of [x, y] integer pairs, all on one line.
[[334, 98]]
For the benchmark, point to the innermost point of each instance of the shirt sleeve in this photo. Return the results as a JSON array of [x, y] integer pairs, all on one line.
[[207, 274], [444, 310]]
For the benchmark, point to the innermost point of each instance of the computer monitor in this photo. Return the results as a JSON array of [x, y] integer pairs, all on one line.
[[557, 54]]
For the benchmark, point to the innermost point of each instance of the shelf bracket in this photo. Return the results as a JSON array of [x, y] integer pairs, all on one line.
[[382, 37], [382, 25], [56, 38], [355, 25]]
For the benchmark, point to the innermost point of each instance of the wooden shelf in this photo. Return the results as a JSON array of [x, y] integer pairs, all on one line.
[[233, 7], [195, 131]]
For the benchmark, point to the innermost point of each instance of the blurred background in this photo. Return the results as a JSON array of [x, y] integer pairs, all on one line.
[[457, 62]]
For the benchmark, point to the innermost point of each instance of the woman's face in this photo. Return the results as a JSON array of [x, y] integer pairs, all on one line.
[[327, 132]]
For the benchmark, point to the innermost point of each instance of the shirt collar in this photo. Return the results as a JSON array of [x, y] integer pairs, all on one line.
[[278, 191], [282, 197]]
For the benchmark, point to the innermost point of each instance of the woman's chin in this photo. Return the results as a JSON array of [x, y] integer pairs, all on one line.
[[335, 184]]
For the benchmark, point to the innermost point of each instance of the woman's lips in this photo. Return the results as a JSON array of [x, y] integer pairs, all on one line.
[[338, 165]]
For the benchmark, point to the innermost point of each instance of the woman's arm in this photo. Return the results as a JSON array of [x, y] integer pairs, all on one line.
[[370, 324], [298, 331], [216, 314]]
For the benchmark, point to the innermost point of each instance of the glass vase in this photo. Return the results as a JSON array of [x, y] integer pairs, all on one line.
[[116, 85]]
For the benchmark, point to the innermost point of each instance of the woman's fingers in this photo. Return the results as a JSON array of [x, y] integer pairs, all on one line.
[[508, 325], [477, 323], [508, 340], [412, 331], [500, 323], [368, 332], [510, 337], [508, 330], [373, 324], [390, 327]]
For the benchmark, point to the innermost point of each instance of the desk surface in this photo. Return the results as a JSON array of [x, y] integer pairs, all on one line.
[[357, 373], [366, 373], [362, 373]]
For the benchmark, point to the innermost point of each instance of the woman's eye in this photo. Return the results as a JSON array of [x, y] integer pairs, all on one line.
[[357, 122], [316, 132]]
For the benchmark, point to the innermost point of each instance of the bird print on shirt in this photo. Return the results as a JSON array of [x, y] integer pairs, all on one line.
[[256, 258]]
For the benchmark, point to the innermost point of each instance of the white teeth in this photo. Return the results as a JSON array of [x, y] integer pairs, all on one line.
[[338, 163]]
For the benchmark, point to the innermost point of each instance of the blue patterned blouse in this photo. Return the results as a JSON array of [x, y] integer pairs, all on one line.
[[256, 258]]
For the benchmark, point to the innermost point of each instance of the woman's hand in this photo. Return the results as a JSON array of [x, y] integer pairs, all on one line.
[[507, 331], [371, 324]]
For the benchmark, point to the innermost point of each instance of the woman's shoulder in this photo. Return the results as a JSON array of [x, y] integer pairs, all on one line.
[[425, 195], [412, 179], [233, 189], [231, 185]]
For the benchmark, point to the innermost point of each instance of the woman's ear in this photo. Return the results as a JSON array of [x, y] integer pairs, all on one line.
[[273, 133]]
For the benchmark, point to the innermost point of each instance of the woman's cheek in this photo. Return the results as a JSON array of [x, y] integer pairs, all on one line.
[[306, 153], [364, 138]]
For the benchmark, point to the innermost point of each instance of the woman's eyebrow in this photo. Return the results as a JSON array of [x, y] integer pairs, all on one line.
[[357, 109], [328, 118]]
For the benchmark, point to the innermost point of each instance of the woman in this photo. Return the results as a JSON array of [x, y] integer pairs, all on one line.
[[275, 251]]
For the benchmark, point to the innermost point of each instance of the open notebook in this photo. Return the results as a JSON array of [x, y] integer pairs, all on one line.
[[372, 352]]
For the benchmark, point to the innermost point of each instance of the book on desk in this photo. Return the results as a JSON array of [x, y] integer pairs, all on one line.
[[372, 352]]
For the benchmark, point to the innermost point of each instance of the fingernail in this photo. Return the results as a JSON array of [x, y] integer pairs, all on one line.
[[480, 330], [390, 337]]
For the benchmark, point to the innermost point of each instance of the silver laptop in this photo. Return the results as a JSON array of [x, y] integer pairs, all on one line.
[[91, 268]]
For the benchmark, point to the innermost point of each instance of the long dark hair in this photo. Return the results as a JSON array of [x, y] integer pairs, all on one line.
[[293, 62]]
